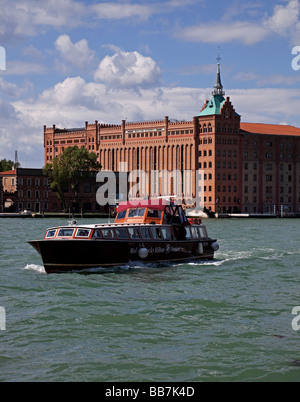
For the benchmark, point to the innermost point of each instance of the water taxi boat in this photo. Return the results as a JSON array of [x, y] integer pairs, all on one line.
[[148, 231]]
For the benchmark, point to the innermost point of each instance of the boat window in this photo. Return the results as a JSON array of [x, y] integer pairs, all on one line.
[[156, 233], [108, 233], [188, 233], [65, 232], [134, 233], [122, 233], [136, 212], [194, 232], [121, 215], [202, 231], [145, 232], [83, 233], [51, 233], [97, 234], [153, 213], [166, 232]]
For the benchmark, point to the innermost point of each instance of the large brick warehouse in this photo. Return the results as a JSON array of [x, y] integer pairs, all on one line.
[[248, 167]]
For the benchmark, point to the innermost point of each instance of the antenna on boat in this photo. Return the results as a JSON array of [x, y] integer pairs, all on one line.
[[73, 222], [108, 213]]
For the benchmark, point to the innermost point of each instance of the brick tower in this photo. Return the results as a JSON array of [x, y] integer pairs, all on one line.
[[219, 156]]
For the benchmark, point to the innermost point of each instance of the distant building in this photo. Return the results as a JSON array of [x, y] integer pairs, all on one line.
[[29, 189], [247, 167], [25, 189]]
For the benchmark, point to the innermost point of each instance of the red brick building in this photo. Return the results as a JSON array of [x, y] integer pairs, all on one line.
[[25, 189], [29, 189], [247, 167]]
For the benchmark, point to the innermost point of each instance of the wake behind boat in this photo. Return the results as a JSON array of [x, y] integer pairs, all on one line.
[[145, 230]]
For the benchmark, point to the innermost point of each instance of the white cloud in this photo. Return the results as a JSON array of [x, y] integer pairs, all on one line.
[[26, 17], [218, 32], [75, 54], [20, 67], [69, 92], [30, 17], [33, 53], [12, 91], [128, 70], [141, 12], [284, 18], [272, 79], [56, 13], [122, 10], [284, 21], [261, 105]]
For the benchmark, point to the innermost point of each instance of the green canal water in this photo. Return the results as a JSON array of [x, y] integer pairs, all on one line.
[[229, 319]]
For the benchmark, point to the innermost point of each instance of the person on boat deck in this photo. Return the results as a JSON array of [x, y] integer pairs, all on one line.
[[109, 234]]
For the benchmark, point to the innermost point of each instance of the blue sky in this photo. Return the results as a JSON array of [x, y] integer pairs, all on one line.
[[71, 61]]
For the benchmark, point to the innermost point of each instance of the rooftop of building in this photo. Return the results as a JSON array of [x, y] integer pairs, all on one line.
[[23, 172], [271, 129]]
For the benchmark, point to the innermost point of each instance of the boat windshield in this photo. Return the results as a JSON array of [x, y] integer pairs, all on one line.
[[64, 232], [136, 212], [121, 215], [153, 213], [83, 233], [51, 233]]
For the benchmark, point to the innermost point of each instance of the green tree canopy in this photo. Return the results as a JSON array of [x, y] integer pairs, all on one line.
[[6, 165], [73, 166]]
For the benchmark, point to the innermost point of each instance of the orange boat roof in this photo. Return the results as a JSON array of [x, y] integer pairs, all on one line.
[[271, 129], [158, 204]]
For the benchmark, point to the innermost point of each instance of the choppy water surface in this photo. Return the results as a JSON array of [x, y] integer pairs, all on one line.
[[223, 320]]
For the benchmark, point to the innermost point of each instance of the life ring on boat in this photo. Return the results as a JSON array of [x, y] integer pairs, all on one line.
[[196, 221], [143, 252], [215, 246]]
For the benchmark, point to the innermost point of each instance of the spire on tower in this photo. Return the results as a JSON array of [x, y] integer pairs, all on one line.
[[16, 164], [218, 88]]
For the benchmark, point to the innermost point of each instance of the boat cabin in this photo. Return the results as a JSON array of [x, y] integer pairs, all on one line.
[[150, 211], [125, 232], [146, 220]]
